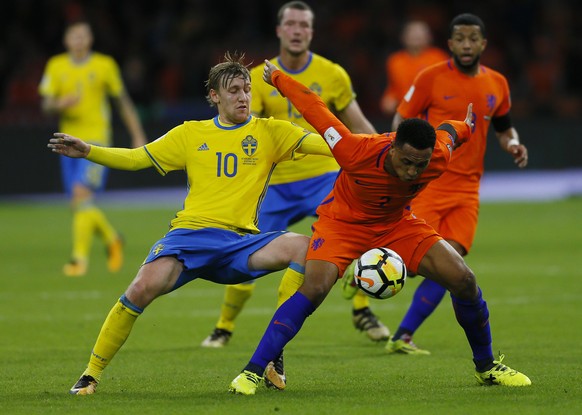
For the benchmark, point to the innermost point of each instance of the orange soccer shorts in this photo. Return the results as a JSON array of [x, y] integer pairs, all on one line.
[[453, 216], [340, 242]]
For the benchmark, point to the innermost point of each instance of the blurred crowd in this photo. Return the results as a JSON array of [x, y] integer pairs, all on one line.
[[165, 47]]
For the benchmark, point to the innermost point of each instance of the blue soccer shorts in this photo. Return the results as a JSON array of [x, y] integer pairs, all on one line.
[[84, 172], [216, 255]]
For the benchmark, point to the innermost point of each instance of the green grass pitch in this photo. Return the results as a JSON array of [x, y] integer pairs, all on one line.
[[528, 261]]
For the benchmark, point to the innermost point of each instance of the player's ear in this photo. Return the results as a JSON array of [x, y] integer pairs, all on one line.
[[214, 96]]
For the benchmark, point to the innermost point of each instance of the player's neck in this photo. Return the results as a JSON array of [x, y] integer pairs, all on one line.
[[80, 57], [294, 62], [472, 70]]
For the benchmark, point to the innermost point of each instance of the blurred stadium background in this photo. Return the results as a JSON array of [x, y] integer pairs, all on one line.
[[165, 49]]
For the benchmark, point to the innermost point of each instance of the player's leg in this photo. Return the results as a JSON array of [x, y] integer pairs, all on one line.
[[82, 179], [286, 250], [95, 177], [153, 279], [286, 323], [444, 265], [81, 227], [455, 219]]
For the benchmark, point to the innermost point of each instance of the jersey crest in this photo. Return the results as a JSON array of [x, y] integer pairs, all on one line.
[[249, 145]]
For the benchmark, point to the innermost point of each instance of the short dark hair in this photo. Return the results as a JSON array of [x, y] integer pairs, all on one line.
[[466, 19], [415, 132], [298, 5], [221, 74]]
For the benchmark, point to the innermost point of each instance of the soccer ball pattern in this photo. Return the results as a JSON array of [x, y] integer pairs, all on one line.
[[380, 273]]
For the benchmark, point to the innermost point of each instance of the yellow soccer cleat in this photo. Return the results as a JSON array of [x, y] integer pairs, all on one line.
[[75, 268], [245, 383], [86, 385], [115, 255], [404, 345], [502, 375]]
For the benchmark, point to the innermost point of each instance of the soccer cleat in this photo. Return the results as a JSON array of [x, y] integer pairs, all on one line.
[[115, 255], [86, 385], [245, 383], [75, 268], [405, 345], [502, 375], [218, 338], [365, 320], [275, 377], [349, 287]]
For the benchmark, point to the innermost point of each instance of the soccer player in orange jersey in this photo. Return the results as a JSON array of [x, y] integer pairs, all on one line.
[[451, 203], [380, 175], [403, 65]]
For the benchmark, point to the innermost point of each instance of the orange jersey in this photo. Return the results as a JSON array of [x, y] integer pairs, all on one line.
[[441, 92], [402, 67], [364, 193]]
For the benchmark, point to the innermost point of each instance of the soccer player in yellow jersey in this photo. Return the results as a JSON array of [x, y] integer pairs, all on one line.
[[229, 160], [297, 188], [76, 86]]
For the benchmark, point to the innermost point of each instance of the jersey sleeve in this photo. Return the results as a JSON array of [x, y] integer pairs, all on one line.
[[417, 98], [314, 110], [120, 158], [505, 104], [168, 153], [48, 86], [458, 131]]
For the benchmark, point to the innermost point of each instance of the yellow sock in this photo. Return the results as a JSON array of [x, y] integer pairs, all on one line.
[[291, 281], [361, 300], [101, 224], [235, 297], [113, 334], [83, 229]]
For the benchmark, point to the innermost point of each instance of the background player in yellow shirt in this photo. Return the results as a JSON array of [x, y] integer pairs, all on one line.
[[229, 160], [297, 188], [76, 86]]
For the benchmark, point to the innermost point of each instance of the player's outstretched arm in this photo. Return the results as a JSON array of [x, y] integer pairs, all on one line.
[[67, 145], [115, 158], [308, 103]]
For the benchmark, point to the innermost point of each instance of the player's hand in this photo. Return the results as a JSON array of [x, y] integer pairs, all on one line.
[[469, 117], [519, 154], [268, 72], [69, 146]]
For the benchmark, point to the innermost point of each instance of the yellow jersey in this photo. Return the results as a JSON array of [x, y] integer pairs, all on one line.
[[228, 168], [326, 78], [93, 81]]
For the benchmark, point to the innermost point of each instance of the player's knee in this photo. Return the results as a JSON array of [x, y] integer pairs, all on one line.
[[464, 285], [298, 248]]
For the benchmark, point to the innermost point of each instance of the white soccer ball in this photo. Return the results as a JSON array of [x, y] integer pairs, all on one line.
[[380, 273]]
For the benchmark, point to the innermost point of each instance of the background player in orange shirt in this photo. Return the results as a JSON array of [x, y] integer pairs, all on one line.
[[402, 66], [451, 203], [380, 174]]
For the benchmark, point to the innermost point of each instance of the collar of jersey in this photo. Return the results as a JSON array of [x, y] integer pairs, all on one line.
[[231, 127], [298, 70]]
